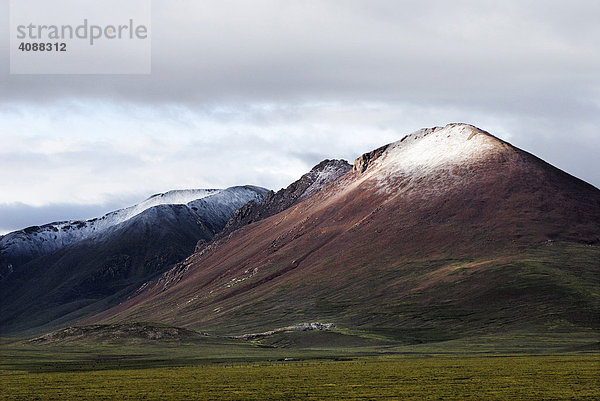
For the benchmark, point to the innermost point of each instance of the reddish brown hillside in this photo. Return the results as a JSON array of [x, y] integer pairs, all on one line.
[[446, 231]]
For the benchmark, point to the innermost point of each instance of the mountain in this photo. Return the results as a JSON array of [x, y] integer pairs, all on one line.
[[19, 247], [59, 272], [448, 233]]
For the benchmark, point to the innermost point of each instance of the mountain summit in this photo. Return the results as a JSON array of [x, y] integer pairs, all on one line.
[[430, 149], [445, 233]]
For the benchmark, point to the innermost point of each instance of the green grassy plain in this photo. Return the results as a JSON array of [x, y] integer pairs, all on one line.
[[367, 378], [306, 366]]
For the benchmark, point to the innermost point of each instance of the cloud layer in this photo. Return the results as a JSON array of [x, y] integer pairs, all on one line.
[[257, 92]]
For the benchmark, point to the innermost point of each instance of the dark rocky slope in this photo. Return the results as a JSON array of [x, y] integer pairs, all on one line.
[[95, 273], [319, 177]]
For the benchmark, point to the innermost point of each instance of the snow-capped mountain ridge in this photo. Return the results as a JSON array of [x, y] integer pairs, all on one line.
[[324, 174], [178, 196], [97, 224], [22, 245], [175, 197]]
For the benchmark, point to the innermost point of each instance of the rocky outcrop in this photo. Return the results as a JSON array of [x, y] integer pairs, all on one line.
[[309, 184], [362, 163], [296, 327]]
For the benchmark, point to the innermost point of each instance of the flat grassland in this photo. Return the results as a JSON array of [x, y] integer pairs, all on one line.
[[518, 377]]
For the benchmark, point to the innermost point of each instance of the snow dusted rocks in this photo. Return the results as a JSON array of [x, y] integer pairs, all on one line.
[[430, 157], [214, 206], [322, 175], [308, 185], [429, 149]]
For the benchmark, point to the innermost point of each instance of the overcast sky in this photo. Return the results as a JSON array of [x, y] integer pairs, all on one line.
[[257, 92]]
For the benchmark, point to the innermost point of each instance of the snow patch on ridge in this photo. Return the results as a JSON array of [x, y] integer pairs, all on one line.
[[73, 230], [428, 149], [331, 172], [39, 240], [176, 197]]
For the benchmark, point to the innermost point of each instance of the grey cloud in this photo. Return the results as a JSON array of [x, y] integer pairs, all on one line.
[[271, 87], [425, 52]]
